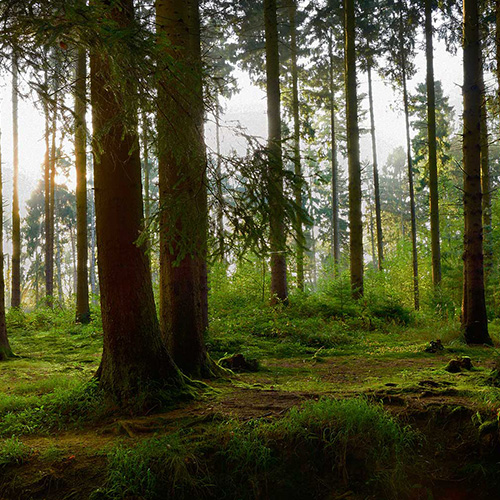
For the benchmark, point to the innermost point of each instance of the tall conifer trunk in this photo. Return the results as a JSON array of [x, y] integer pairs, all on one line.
[[485, 176], [5, 349], [279, 290], [335, 245], [376, 185], [183, 187], [474, 319], [355, 214], [431, 138], [413, 217], [135, 358], [292, 15], [16, 220], [82, 282]]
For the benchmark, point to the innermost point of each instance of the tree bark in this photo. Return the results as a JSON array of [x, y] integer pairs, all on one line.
[[16, 220], [82, 282], [355, 214], [292, 15], [183, 188], [376, 185], [335, 246], [218, 186], [474, 318], [5, 349], [431, 137], [279, 289], [485, 177], [48, 278], [135, 360]]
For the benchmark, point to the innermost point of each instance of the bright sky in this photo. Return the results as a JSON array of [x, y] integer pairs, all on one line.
[[248, 107]]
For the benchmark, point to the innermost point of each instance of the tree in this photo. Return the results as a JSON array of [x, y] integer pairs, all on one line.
[[292, 14], [82, 283], [279, 292], [135, 358], [16, 220], [431, 134], [5, 349], [474, 318], [355, 197], [183, 184]]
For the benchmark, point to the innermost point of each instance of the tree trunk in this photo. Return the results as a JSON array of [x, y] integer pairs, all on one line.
[[135, 360], [485, 177], [59, 256], [335, 246], [218, 186], [413, 217], [376, 187], [355, 214], [292, 14], [279, 289], [82, 282], [48, 277], [183, 188], [474, 319], [5, 349], [431, 137], [16, 221]]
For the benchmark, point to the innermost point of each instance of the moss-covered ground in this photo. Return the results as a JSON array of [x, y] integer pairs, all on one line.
[[344, 405]]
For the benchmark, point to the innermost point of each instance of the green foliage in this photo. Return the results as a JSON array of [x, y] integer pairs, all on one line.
[[13, 452], [154, 469], [56, 410]]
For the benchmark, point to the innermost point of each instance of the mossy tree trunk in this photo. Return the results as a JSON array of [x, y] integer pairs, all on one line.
[[474, 318], [135, 359], [183, 186]]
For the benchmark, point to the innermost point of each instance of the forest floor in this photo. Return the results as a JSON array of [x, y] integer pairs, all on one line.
[[50, 454]]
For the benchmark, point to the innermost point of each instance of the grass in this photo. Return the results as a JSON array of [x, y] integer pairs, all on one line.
[[13, 452], [353, 439]]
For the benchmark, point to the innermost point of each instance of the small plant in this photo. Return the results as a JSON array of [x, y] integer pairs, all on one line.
[[13, 451], [154, 469]]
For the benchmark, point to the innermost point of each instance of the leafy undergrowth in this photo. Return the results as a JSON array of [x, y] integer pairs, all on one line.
[[326, 415]]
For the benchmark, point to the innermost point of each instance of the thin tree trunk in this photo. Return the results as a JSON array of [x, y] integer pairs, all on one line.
[[135, 360], [335, 246], [376, 186], [292, 14], [82, 273], [48, 278], [16, 221], [183, 194], [413, 217], [5, 349], [218, 184], [431, 137], [279, 291], [58, 259], [474, 318], [74, 258], [355, 214], [93, 259]]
